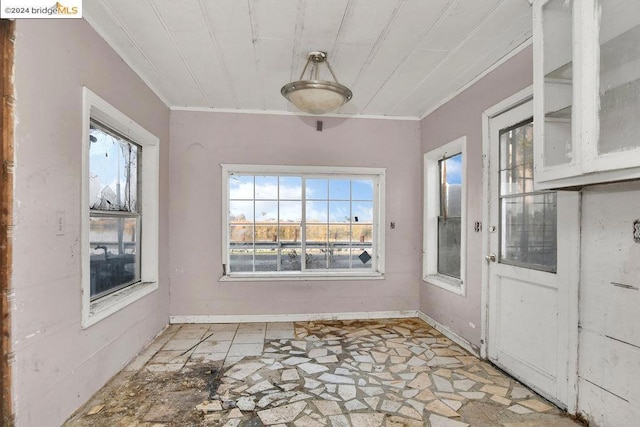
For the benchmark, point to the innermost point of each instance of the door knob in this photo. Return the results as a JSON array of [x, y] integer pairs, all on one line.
[[490, 258]]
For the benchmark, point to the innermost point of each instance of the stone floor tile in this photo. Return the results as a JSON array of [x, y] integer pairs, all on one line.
[[339, 421], [453, 404], [390, 406], [442, 384], [544, 422], [366, 420], [215, 327], [312, 368], [520, 393], [279, 334], [336, 379], [452, 396], [241, 371], [500, 391], [463, 385], [327, 407], [280, 326], [282, 414], [438, 421], [249, 338], [171, 356], [354, 405], [245, 349], [398, 421], [440, 408], [164, 367], [519, 409], [213, 347], [536, 405], [501, 400], [410, 412], [224, 335], [191, 334], [295, 360], [421, 382], [476, 395], [372, 402], [332, 358], [307, 421], [244, 328], [181, 344], [290, 375], [347, 392]]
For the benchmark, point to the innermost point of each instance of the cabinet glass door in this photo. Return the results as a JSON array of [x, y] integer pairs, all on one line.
[[619, 82], [558, 82]]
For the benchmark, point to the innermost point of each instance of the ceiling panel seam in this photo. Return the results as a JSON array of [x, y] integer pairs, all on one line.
[[161, 94], [464, 40], [178, 50], [346, 17], [212, 37], [443, 14], [379, 41], [298, 38], [256, 61]]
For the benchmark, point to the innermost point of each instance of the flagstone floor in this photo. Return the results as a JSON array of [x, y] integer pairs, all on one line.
[[398, 372]]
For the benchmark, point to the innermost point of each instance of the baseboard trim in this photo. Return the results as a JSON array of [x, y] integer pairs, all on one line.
[[303, 317], [448, 333]]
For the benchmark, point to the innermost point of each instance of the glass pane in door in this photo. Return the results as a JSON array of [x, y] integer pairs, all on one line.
[[528, 220]]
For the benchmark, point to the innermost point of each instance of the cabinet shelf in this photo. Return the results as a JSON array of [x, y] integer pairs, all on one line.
[[562, 73], [587, 123], [563, 115]]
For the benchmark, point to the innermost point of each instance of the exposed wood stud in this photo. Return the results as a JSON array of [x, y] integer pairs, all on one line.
[[7, 42]]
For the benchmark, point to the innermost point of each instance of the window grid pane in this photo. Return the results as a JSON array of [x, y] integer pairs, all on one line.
[[337, 223], [528, 219]]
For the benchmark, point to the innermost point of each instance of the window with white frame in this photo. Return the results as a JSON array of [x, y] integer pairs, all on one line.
[[115, 220], [444, 216], [311, 222], [120, 210]]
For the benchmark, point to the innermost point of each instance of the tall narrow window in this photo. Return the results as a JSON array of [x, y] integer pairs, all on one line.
[[288, 221], [115, 219], [119, 198], [449, 221], [444, 216]]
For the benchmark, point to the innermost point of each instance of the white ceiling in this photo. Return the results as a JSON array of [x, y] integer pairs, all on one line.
[[400, 58]]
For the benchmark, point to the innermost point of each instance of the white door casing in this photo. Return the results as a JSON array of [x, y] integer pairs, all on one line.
[[530, 317]]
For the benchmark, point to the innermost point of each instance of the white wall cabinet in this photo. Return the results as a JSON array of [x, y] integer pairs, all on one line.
[[586, 91]]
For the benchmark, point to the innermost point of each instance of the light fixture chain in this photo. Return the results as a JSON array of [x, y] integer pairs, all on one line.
[[305, 68], [331, 71]]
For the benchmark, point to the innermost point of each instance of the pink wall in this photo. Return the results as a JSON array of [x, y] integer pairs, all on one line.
[[458, 117], [201, 141], [59, 365]]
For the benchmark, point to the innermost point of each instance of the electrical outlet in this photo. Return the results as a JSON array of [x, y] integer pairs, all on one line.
[[59, 223]]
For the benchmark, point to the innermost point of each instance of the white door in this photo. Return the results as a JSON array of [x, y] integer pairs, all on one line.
[[532, 265]]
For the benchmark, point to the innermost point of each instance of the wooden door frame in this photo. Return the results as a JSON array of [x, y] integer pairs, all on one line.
[[573, 222], [7, 42]]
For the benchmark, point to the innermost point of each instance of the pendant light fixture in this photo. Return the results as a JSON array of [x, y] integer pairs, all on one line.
[[313, 95]]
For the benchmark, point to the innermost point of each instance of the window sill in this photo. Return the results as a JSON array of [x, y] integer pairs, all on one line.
[[447, 283], [116, 301], [298, 277]]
